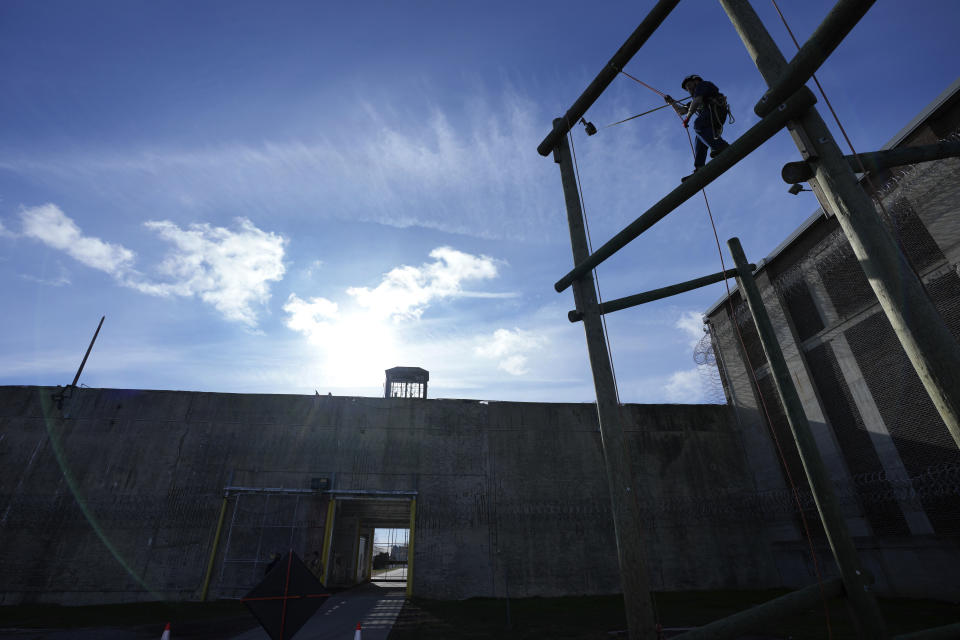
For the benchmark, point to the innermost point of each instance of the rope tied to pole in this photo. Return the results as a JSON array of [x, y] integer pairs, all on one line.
[[654, 89]]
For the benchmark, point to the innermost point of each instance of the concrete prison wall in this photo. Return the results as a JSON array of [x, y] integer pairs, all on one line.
[[110, 495]]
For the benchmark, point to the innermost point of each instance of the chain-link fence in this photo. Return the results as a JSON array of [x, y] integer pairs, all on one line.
[[262, 527]]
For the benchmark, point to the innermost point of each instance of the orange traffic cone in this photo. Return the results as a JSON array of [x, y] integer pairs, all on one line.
[[356, 634], [166, 632]]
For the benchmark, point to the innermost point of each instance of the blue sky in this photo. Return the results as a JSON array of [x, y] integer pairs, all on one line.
[[289, 197]]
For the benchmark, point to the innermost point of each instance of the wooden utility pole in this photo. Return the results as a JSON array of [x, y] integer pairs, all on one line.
[[863, 603], [929, 345], [641, 624]]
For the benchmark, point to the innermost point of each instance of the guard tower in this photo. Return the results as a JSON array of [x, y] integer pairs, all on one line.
[[406, 382]]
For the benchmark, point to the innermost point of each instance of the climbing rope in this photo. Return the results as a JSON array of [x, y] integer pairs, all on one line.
[[654, 89], [613, 124], [793, 486]]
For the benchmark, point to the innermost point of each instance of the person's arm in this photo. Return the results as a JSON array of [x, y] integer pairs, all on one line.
[[692, 109], [694, 106], [677, 106]]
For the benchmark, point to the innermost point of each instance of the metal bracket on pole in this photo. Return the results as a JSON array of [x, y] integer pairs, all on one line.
[[807, 151]]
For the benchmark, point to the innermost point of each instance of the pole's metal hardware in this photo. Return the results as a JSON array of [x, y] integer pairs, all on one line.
[[807, 151]]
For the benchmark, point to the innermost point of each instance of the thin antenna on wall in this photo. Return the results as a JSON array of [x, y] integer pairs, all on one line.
[[87, 354], [60, 395]]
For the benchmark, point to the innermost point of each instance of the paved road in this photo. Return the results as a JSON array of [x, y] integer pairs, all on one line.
[[373, 605], [400, 573]]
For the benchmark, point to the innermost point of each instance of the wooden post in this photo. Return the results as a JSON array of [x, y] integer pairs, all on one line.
[[863, 603], [929, 345], [626, 513], [213, 551], [328, 539], [656, 294]]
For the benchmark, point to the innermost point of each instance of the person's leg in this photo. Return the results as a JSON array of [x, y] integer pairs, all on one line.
[[719, 144], [710, 135], [699, 153], [699, 157]]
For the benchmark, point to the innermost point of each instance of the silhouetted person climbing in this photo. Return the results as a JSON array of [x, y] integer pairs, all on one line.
[[710, 107]]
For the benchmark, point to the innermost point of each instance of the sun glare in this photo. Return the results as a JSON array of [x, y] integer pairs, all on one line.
[[357, 350]]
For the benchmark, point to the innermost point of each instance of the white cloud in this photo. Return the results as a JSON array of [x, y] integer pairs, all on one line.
[[59, 281], [468, 169], [511, 348], [48, 224], [309, 318], [684, 386], [310, 268], [406, 291], [228, 269], [691, 323]]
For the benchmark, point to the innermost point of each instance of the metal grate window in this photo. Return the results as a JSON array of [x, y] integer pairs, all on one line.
[[790, 456], [748, 331], [912, 236], [917, 430], [843, 277], [799, 304], [945, 292], [855, 445]]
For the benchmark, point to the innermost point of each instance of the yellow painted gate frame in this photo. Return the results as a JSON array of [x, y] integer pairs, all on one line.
[[328, 539]]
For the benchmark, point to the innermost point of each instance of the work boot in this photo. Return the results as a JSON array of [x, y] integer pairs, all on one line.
[[685, 178], [715, 152]]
